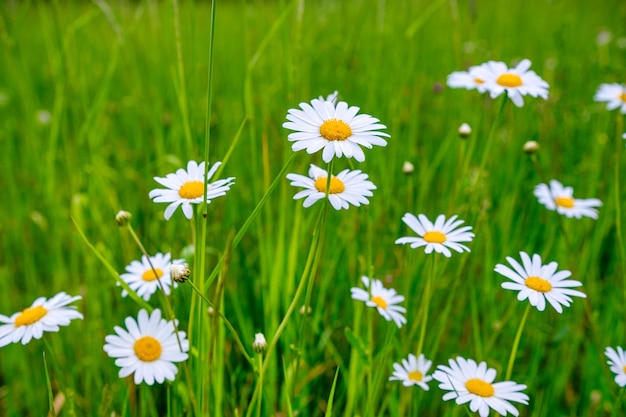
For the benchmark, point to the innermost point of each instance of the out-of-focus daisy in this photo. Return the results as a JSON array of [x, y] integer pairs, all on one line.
[[441, 236], [539, 282], [517, 82], [148, 349], [412, 371], [144, 280], [469, 382], [467, 79], [560, 198], [42, 316], [335, 128], [385, 300], [347, 187], [185, 188], [617, 364], [614, 95]]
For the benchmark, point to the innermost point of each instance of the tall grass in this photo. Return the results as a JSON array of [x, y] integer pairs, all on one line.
[[127, 99]]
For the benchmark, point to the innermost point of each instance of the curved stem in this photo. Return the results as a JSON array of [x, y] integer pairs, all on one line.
[[518, 336], [425, 305]]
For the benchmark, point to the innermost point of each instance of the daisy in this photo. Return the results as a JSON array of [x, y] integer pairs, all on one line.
[[617, 363], [42, 315], [614, 95], [440, 236], [187, 187], [559, 198], [143, 279], [347, 187], [148, 348], [412, 371], [336, 128], [468, 382], [467, 79], [539, 282], [517, 82], [384, 299]]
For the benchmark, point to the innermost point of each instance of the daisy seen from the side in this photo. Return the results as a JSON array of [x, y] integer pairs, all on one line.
[[440, 236], [412, 371], [614, 95], [560, 198], [333, 127], [346, 188], [467, 79], [516, 82], [385, 300], [44, 315], [617, 364], [147, 348], [144, 280], [539, 283], [186, 187], [469, 382]]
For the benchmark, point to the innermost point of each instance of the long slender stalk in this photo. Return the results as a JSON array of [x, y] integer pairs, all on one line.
[[426, 304], [618, 199], [518, 336]]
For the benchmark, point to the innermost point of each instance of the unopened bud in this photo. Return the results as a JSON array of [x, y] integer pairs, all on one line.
[[122, 218], [259, 343], [465, 130], [305, 309], [531, 146], [408, 167], [179, 272]]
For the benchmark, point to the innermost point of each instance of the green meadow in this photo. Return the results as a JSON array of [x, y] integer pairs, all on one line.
[[98, 98]]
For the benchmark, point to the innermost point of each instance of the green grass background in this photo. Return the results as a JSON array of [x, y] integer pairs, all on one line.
[[109, 74]]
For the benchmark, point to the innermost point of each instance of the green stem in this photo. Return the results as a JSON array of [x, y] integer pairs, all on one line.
[[426, 304], [618, 200], [518, 336], [492, 132]]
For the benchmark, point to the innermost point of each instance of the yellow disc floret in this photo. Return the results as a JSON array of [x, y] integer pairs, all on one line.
[[148, 348], [336, 185], [565, 202], [334, 129], [509, 80], [416, 376], [479, 387], [152, 274], [30, 315], [434, 237], [379, 301], [538, 284], [191, 190]]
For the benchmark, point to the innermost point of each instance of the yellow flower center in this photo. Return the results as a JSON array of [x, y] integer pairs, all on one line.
[[379, 301], [624, 369], [623, 97], [479, 387], [434, 237], [336, 185], [509, 80], [538, 284], [148, 349], [565, 202], [30, 315], [151, 275], [191, 190], [478, 81], [416, 376], [334, 129]]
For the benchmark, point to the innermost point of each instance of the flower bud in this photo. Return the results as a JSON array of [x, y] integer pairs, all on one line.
[[179, 272], [259, 343], [408, 168], [464, 130], [531, 147], [122, 218]]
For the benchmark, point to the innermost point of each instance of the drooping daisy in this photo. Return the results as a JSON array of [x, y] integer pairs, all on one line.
[[143, 279], [185, 188], [560, 198], [385, 300], [614, 95], [617, 364], [347, 187], [467, 79], [412, 371], [147, 349], [336, 128], [42, 316], [440, 236], [469, 382], [539, 282], [517, 82]]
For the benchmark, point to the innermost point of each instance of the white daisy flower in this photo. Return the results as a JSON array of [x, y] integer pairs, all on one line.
[[517, 82], [148, 348], [335, 128], [467, 79], [469, 382], [617, 363], [614, 95], [347, 187], [539, 282], [440, 236], [412, 371], [559, 198], [142, 278], [187, 187], [42, 316], [385, 300]]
